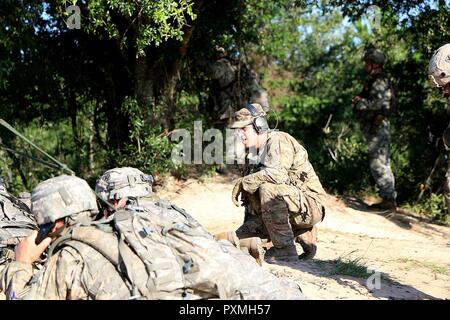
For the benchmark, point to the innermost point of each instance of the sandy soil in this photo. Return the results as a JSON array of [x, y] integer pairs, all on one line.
[[412, 256]]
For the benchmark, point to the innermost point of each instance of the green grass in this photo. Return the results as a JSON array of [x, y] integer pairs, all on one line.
[[435, 268], [349, 267]]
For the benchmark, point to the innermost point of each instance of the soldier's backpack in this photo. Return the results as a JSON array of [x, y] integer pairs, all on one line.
[[161, 252], [16, 222], [151, 249]]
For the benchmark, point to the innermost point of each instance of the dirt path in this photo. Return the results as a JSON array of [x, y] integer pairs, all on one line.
[[413, 257]]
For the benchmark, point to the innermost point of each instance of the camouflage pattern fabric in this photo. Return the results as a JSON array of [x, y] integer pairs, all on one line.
[[446, 188], [283, 195], [233, 86], [439, 76], [372, 110], [284, 213], [439, 66], [123, 182], [184, 262], [378, 151], [61, 197], [16, 222]]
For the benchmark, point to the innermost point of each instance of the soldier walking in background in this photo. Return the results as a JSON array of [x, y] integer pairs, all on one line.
[[373, 106]]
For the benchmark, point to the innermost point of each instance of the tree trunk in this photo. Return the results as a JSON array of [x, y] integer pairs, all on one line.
[[157, 75], [76, 138], [118, 122]]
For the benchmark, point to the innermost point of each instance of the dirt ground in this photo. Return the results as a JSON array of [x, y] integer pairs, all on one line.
[[411, 256]]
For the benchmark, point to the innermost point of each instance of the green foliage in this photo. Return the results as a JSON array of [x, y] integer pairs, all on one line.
[[150, 22], [152, 149], [350, 267], [152, 156], [110, 93], [432, 206]]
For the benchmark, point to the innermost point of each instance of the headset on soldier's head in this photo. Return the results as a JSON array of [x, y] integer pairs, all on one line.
[[259, 121]]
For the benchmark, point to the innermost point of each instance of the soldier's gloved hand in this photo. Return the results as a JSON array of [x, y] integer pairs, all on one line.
[[237, 190]]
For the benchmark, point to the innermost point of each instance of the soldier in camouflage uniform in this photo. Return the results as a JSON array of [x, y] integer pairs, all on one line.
[[140, 251], [234, 83], [283, 196], [373, 106], [16, 222], [114, 187], [439, 75]]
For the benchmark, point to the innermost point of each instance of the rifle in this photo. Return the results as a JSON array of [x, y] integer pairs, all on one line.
[[429, 179]]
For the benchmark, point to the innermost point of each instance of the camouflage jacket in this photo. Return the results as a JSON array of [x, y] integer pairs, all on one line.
[[283, 161], [16, 222], [378, 98]]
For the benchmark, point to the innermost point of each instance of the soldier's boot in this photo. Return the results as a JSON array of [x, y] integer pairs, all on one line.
[[286, 252], [386, 204], [254, 247], [308, 241]]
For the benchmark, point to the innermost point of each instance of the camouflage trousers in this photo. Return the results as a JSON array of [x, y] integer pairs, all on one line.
[[377, 138], [280, 212]]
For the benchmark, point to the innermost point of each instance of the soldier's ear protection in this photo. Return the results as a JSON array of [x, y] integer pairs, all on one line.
[[259, 122]]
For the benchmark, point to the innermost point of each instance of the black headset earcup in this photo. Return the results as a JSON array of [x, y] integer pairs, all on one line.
[[260, 124]]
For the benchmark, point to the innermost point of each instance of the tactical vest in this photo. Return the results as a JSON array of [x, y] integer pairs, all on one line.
[[387, 111]]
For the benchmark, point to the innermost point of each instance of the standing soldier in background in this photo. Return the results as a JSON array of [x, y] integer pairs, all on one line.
[[233, 84], [373, 106], [439, 75]]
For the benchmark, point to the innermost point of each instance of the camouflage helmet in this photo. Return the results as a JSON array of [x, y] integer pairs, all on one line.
[[439, 67], [374, 55], [61, 197], [220, 51], [119, 183]]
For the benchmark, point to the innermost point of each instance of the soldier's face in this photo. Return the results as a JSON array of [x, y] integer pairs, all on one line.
[[249, 136], [368, 66]]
